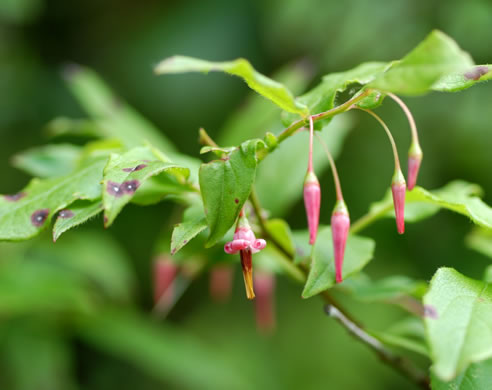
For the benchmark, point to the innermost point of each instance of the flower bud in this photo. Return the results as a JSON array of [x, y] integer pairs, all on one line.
[[221, 277], [312, 200], [264, 303], [165, 271], [340, 224], [414, 159], [398, 189]]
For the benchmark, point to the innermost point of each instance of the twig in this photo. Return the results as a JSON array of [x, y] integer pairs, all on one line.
[[399, 363]]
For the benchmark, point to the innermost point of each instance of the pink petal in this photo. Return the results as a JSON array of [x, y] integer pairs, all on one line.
[[258, 245], [340, 224], [413, 170], [264, 303], [312, 200], [165, 271], [398, 190], [221, 278]]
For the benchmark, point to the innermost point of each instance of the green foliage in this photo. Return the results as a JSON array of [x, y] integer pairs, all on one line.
[[265, 86], [476, 377], [463, 314], [358, 253], [459, 81], [225, 186], [78, 213]]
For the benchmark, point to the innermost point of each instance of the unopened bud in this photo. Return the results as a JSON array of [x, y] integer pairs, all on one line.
[[265, 301], [221, 282], [414, 159], [340, 224], [398, 189], [312, 200], [165, 271]]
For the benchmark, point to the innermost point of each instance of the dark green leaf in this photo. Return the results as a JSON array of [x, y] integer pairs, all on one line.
[[48, 161], [161, 351], [75, 215], [358, 253], [435, 57], [124, 174], [25, 214], [476, 377], [458, 81], [460, 331], [225, 185], [265, 86], [185, 232]]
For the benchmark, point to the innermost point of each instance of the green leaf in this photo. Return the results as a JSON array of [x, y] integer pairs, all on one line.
[[162, 351], [225, 186], [113, 116], [25, 214], [68, 127], [322, 97], [124, 174], [276, 193], [280, 230], [458, 81], [476, 377], [358, 253], [48, 160], [75, 215], [160, 187], [415, 74], [461, 331], [408, 334], [487, 277], [185, 232], [480, 240], [361, 287], [265, 86], [458, 196]]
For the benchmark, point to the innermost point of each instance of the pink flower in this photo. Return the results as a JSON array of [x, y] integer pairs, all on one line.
[[165, 270], [246, 244], [221, 282], [312, 200], [265, 302], [414, 161], [398, 189], [340, 224]]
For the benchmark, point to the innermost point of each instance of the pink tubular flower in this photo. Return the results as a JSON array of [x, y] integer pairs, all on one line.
[[165, 271], [246, 244], [414, 159], [265, 302], [312, 201], [398, 189], [221, 282], [340, 224]]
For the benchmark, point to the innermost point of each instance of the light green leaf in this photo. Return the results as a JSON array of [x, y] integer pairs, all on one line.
[[476, 377], [186, 231], [84, 128], [458, 81], [280, 231], [75, 215], [322, 97], [278, 194], [162, 351], [265, 86], [225, 185], [487, 277], [415, 74], [458, 196], [113, 116], [408, 334], [124, 174], [160, 187], [480, 239], [392, 287], [25, 214], [358, 253], [48, 161], [461, 331]]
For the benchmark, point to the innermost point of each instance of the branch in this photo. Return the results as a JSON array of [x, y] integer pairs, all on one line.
[[399, 363]]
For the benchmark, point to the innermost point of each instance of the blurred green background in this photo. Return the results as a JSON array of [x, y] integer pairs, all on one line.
[[122, 40]]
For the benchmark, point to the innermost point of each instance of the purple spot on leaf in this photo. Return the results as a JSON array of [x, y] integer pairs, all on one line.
[[236, 200], [130, 186], [137, 168], [15, 197], [185, 241], [114, 189], [476, 73], [430, 311], [66, 214], [39, 217]]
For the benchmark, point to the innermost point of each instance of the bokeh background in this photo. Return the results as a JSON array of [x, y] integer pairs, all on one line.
[[122, 40]]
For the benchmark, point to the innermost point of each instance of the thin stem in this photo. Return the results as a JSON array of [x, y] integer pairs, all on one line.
[[399, 363], [369, 218], [336, 179], [411, 121], [311, 132], [388, 133], [205, 139]]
